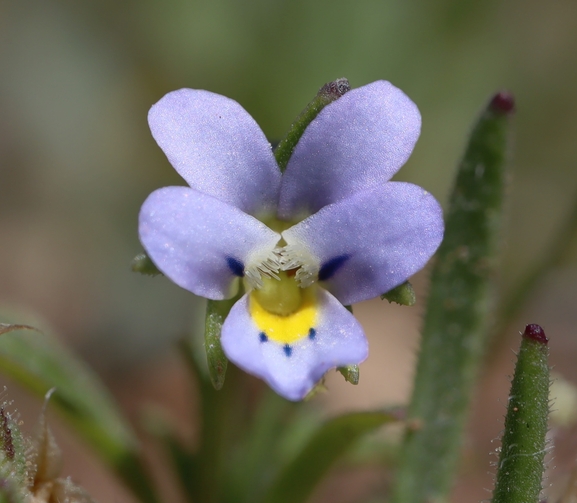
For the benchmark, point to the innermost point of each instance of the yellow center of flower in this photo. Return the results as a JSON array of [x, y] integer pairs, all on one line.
[[282, 310]]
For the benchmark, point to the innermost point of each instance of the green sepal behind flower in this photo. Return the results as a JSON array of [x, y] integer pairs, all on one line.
[[403, 295], [350, 373], [142, 264], [216, 313]]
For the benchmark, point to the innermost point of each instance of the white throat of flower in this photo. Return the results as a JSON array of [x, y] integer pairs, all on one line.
[[282, 258]]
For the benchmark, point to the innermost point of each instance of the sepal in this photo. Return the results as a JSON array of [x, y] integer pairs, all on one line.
[[144, 265], [404, 295], [216, 313], [351, 373]]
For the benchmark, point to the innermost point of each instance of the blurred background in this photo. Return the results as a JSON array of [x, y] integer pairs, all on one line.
[[77, 78]]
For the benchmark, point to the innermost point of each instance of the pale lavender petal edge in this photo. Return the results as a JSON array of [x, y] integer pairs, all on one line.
[[218, 148], [356, 143]]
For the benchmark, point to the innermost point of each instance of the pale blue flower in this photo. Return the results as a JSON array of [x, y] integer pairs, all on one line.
[[331, 231]]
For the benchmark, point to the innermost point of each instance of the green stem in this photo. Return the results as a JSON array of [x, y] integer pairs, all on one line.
[[222, 417], [458, 312]]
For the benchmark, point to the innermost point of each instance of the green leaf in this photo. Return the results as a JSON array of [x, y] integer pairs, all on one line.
[[403, 295], [334, 438], [520, 468], [327, 94], [459, 309], [39, 362]]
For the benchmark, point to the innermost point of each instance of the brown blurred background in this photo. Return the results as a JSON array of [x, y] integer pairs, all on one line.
[[77, 78]]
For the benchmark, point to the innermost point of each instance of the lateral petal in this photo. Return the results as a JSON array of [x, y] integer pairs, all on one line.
[[199, 242], [371, 242], [356, 143], [218, 148], [292, 370]]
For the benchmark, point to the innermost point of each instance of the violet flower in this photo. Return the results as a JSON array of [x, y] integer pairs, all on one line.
[[331, 231]]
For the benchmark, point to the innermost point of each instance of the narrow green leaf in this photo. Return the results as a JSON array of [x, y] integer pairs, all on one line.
[[458, 315], [403, 295], [326, 95], [520, 468], [39, 362], [333, 439], [144, 265]]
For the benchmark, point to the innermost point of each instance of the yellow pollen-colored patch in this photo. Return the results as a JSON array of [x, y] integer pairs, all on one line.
[[288, 328]]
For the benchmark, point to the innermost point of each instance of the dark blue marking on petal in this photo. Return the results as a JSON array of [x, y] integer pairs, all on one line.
[[312, 333], [329, 268], [262, 337], [287, 350], [236, 266]]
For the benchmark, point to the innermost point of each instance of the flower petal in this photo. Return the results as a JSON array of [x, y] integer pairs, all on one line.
[[218, 148], [371, 242], [199, 242], [293, 370], [356, 143]]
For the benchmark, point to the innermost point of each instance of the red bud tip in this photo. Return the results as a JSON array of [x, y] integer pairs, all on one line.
[[503, 102], [536, 333]]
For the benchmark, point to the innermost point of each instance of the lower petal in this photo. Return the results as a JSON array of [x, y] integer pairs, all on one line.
[[292, 364]]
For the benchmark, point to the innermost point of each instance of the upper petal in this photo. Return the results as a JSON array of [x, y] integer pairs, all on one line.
[[218, 148], [292, 370], [199, 242], [356, 143], [371, 242]]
